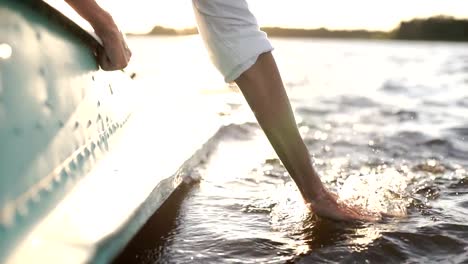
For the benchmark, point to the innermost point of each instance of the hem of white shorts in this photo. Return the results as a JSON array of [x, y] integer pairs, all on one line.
[[244, 66]]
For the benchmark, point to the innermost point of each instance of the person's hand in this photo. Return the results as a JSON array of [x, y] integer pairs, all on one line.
[[115, 54], [327, 205]]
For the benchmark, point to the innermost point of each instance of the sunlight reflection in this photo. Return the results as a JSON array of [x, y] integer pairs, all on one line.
[[364, 236], [385, 192], [303, 130], [319, 135], [302, 249], [359, 127], [335, 169], [346, 118]]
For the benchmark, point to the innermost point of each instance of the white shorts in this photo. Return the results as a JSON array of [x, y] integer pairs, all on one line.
[[231, 35]]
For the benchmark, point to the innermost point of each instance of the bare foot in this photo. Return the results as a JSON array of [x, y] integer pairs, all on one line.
[[327, 205]]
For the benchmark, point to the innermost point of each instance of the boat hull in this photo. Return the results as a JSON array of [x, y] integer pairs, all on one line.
[[58, 114]]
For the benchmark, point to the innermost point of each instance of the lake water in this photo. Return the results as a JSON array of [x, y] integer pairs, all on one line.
[[386, 124]]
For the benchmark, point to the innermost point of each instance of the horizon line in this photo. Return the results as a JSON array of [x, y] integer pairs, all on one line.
[[194, 26]]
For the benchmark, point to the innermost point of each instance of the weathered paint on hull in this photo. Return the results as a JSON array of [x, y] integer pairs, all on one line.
[[78, 178], [57, 115]]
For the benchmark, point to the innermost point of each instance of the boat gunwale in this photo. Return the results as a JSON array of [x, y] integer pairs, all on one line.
[[91, 40]]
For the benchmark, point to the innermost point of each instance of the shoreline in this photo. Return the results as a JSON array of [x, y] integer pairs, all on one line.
[[437, 28]]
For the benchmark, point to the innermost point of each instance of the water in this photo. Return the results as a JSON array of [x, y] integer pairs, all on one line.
[[386, 124]]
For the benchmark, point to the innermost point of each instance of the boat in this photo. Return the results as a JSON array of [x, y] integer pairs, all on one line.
[[80, 172]]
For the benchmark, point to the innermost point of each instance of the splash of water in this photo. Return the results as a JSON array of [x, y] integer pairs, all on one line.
[[385, 192]]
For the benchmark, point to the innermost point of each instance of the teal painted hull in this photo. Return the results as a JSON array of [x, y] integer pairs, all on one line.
[[58, 113], [78, 176]]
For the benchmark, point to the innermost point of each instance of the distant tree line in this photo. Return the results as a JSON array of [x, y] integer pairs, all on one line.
[[433, 28], [323, 33], [158, 30]]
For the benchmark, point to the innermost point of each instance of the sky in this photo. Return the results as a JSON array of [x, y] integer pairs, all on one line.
[[140, 16]]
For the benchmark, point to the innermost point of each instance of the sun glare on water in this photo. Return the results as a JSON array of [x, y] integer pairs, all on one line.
[[384, 192]]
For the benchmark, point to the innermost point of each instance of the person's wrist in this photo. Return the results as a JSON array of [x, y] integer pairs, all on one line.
[[102, 22], [318, 194]]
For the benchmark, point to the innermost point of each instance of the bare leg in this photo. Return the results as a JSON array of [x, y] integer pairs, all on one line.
[[263, 89]]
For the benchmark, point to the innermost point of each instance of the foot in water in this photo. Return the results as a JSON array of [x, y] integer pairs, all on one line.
[[328, 205]]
